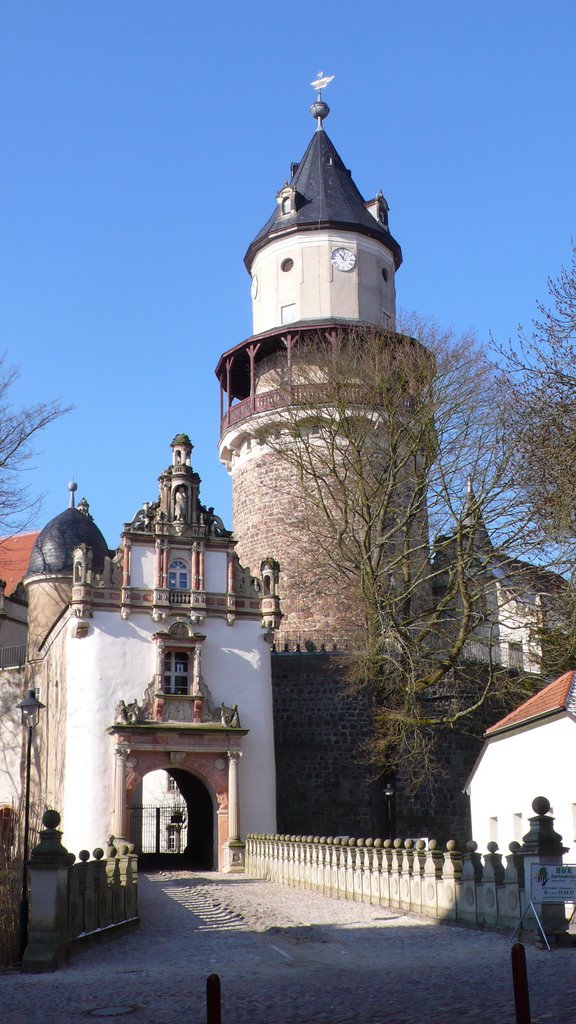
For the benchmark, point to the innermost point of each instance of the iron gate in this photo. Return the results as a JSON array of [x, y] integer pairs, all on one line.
[[158, 829]]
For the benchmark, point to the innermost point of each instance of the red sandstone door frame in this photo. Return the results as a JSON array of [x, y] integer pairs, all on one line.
[[139, 752]]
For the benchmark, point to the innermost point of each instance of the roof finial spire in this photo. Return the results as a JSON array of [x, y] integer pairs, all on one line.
[[319, 109], [72, 487]]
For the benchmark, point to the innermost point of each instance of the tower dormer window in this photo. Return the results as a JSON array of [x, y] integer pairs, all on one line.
[[287, 265], [287, 200]]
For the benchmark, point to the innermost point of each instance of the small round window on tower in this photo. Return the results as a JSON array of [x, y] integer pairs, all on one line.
[[384, 273], [287, 265]]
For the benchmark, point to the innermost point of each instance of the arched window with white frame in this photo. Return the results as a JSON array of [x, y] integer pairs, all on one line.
[[178, 575]]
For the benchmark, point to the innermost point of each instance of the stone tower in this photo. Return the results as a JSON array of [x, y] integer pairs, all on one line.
[[324, 263]]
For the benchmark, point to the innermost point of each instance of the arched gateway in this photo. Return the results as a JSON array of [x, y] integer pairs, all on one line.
[[207, 781]]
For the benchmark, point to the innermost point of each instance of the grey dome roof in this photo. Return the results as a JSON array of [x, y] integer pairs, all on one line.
[[54, 548]]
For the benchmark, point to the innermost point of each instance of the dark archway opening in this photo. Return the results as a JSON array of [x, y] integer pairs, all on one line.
[[195, 846]]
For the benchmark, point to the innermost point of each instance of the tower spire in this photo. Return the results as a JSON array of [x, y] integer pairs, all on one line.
[[319, 109]]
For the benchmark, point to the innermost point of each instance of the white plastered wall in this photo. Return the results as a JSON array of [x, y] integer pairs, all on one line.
[[518, 624], [236, 667], [116, 661], [314, 288], [11, 690], [215, 572], [514, 768], [142, 566]]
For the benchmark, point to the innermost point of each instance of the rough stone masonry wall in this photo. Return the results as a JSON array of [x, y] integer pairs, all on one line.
[[266, 505], [323, 780], [439, 809]]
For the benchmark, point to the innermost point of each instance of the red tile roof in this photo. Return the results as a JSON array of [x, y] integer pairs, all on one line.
[[14, 557], [554, 697]]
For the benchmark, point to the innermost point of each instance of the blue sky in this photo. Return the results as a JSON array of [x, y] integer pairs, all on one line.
[[144, 142]]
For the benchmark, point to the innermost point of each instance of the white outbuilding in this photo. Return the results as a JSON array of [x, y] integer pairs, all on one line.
[[528, 753]]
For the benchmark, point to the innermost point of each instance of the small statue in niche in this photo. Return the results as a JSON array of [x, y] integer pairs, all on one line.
[[180, 506]]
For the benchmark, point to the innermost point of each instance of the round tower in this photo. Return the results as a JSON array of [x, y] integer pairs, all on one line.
[[323, 264], [52, 569]]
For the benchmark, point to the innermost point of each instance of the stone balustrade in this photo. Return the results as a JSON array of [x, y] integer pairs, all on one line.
[[70, 902], [412, 876]]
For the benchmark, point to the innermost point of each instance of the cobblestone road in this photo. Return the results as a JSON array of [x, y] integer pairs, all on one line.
[[287, 957]]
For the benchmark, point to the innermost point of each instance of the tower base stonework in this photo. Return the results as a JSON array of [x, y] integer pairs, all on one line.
[[322, 729], [326, 781]]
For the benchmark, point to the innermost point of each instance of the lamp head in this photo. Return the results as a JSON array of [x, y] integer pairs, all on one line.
[[30, 709]]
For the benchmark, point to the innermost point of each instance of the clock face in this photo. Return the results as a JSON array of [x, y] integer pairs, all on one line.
[[254, 288], [343, 259]]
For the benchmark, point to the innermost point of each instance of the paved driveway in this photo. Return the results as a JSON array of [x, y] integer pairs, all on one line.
[[287, 957]]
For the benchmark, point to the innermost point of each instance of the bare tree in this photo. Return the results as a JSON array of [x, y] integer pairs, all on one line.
[[538, 391], [395, 439], [18, 430]]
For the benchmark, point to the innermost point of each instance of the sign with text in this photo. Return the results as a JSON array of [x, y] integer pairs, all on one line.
[[553, 883]]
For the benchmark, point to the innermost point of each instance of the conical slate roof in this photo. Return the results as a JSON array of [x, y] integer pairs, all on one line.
[[327, 198], [52, 553]]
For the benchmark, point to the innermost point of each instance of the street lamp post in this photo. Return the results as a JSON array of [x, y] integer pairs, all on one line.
[[30, 709], [390, 797]]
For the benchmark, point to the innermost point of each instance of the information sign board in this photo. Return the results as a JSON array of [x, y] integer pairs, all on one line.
[[553, 883]]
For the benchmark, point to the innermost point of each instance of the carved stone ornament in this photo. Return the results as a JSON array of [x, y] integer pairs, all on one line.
[[112, 572], [127, 714], [228, 716], [179, 629], [146, 516]]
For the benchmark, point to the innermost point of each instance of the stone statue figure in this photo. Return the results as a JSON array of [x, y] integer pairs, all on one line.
[[121, 715], [132, 712], [229, 717], [180, 506], [126, 714]]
